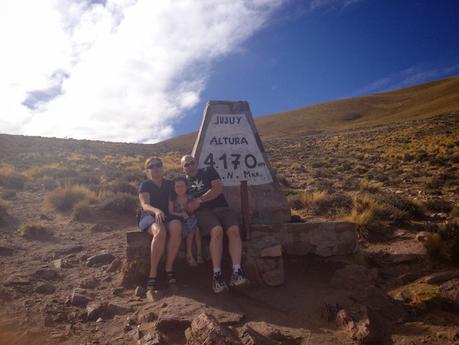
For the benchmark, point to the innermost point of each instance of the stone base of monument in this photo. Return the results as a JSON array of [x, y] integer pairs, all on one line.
[[263, 252]]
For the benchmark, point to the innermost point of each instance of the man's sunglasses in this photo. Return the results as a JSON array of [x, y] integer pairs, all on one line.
[[154, 165], [189, 164]]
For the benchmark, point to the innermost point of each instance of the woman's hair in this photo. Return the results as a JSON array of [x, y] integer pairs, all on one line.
[[174, 181], [152, 159]]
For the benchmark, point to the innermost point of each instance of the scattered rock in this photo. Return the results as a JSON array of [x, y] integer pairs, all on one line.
[[59, 264], [148, 317], [16, 280], [46, 274], [115, 265], [79, 300], [251, 337], [95, 310], [153, 338], [45, 288], [117, 291], [206, 330], [422, 236], [363, 325], [382, 258], [440, 277], [89, 283], [6, 251], [450, 292], [68, 250], [45, 217], [101, 259], [280, 334], [117, 309]]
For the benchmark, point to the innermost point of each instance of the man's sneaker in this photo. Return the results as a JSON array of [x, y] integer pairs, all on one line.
[[238, 278], [218, 283]]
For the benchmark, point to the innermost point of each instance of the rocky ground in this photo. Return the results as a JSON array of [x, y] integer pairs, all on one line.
[[62, 284]]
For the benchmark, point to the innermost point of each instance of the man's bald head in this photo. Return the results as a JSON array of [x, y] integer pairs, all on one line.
[[189, 165]]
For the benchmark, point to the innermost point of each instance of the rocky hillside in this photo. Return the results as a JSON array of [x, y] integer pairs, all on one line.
[[391, 168]]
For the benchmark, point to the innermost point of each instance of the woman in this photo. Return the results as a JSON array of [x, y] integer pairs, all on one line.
[[155, 219]]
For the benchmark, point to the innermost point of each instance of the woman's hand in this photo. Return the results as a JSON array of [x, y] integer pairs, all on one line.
[[185, 215], [160, 217]]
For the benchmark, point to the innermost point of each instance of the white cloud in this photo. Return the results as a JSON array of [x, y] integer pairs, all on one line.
[[120, 70]]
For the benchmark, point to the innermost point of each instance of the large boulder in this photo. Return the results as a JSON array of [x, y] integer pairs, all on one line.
[[205, 330]]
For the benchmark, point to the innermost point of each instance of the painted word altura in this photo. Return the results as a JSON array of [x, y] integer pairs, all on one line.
[[228, 141], [227, 120]]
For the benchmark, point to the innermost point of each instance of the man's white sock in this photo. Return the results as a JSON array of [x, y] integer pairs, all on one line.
[[236, 268], [217, 270]]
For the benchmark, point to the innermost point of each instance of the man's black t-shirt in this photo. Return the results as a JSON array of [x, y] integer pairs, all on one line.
[[200, 184], [159, 197]]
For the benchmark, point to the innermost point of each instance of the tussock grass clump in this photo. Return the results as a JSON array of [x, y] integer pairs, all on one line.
[[63, 199], [370, 186], [123, 187], [34, 232], [322, 202], [438, 205], [81, 210], [372, 208], [3, 212], [120, 203], [8, 195], [443, 245], [10, 178]]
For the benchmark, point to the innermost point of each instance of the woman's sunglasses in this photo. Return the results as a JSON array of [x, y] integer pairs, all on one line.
[[154, 165]]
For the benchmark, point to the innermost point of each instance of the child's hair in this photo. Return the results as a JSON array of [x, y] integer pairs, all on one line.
[[174, 181]]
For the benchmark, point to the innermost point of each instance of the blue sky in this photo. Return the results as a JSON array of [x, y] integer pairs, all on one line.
[[310, 56], [142, 70]]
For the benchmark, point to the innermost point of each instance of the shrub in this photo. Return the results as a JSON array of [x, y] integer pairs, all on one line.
[[370, 209], [3, 212], [123, 187], [81, 210], [34, 232], [63, 199], [370, 186], [10, 178], [443, 245], [322, 203], [120, 203], [455, 212], [438, 205], [8, 195]]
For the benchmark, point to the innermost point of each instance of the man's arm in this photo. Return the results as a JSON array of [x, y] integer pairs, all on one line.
[[216, 188]]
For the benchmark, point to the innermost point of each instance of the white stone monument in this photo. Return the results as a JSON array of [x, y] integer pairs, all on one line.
[[228, 141]]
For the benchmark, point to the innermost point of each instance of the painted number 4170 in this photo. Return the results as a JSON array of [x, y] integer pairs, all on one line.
[[249, 160]]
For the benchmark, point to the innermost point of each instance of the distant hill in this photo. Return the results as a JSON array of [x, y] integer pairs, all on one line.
[[416, 102]]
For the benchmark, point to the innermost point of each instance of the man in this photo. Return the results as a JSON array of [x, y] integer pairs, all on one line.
[[215, 218]]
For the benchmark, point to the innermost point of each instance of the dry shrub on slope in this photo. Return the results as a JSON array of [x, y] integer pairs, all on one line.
[[65, 198]]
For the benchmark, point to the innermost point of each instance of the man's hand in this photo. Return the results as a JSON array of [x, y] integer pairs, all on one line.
[[160, 217], [193, 205]]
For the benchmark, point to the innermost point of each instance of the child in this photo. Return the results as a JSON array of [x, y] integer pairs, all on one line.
[[177, 207]]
